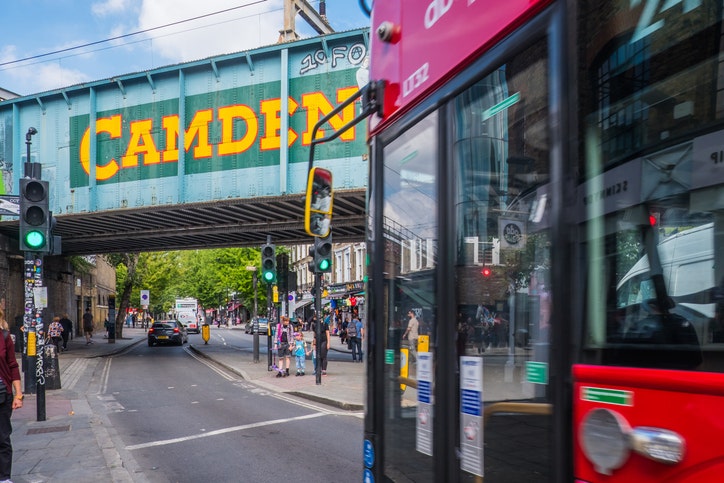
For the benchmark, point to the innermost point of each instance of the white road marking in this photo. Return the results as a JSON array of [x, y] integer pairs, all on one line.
[[104, 376], [212, 366], [72, 374], [243, 427]]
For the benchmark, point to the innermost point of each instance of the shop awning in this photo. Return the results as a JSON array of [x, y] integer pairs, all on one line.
[[302, 303]]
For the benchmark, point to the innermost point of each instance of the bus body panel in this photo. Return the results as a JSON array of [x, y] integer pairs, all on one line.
[[421, 57], [688, 403]]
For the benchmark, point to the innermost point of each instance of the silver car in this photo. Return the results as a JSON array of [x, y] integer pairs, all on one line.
[[262, 328]]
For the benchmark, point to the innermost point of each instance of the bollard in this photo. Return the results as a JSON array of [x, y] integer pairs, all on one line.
[[205, 333], [30, 362]]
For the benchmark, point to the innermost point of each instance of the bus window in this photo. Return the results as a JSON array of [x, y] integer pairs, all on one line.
[[503, 284], [410, 259]]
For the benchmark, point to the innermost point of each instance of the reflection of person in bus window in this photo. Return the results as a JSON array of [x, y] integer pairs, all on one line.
[[321, 198], [319, 223]]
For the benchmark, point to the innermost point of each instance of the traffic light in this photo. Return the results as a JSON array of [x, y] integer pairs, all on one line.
[[486, 272], [322, 257], [34, 216], [268, 263], [282, 272]]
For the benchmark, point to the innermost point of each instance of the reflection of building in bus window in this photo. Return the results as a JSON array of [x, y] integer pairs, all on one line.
[[717, 297]]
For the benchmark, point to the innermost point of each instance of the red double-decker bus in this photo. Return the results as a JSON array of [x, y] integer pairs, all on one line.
[[546, 241]]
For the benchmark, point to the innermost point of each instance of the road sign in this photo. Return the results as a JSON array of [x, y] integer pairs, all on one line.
[[144, 298], [10, 205]]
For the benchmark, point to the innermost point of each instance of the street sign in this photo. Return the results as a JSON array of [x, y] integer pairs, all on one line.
[[10, 205], [144, 298]]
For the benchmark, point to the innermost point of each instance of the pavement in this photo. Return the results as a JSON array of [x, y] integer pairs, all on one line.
[[76, 441]]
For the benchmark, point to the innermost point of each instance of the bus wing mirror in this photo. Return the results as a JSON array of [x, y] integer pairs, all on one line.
[[318, 202]]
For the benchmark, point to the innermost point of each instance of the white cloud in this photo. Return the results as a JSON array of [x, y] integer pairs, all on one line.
[[110, 7], [46, 76], [38, 76], [241, 29]]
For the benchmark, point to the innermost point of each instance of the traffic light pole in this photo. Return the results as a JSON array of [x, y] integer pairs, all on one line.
[[318, 325], [255, 323], [33, 329], [269, 305]]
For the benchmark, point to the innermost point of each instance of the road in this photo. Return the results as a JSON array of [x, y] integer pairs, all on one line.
[[179, 418]]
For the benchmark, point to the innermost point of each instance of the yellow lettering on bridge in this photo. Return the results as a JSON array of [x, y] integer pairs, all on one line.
[[231, 118]]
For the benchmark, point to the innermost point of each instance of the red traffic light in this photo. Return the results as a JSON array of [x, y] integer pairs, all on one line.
[[486, 272]]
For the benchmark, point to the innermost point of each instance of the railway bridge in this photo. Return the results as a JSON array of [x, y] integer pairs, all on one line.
[[204, 154]]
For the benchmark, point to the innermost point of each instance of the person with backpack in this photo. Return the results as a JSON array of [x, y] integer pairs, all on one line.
[[55, 333], [285, 339], [355, 334]]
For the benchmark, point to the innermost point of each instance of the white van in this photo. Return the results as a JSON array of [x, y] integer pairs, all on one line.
[[190, 320], [687, 262]]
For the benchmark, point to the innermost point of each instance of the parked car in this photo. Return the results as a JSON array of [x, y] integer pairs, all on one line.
[[263, 326], [167, 332]]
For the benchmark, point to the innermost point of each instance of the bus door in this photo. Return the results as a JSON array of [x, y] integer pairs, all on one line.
[[464, 389]]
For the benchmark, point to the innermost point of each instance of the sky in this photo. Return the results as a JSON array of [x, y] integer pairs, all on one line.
[[35, 28]]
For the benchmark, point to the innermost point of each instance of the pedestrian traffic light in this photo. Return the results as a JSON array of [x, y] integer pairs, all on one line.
[[34, 216], [323, 254], [268, 263]]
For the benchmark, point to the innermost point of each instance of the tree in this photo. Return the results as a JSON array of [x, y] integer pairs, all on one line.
[[210, 276], [126, 275]]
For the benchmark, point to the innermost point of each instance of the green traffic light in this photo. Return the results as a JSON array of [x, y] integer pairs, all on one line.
[[268, 276], [34, 239], [324, 264]]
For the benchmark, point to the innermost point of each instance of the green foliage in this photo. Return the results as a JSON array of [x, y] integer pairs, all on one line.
[[80, 264], [214, 277]]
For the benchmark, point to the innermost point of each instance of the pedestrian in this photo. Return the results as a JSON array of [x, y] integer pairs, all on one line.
[[300, 352], [314, 352], [343, 335], [284, 337], [10, 374], [412, 333], [313, 323], [324, 347], [55, 331], [105, 326], [355, 332], [67, 325], [88, 326]]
